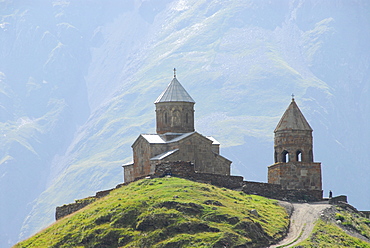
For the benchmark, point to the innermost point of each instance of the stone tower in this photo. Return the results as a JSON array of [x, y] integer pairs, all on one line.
[[294, 167], [174, 109]]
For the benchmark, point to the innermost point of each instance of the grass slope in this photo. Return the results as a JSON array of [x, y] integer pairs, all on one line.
[[333, 229], [330, 235], [168, 212]]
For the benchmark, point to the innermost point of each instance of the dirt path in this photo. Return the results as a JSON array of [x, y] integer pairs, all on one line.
[[302, 222]]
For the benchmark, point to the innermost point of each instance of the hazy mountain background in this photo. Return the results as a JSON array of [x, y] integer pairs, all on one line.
[[78, 80]]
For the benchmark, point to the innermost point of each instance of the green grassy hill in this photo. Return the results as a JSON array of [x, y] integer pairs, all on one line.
[[169, 212], [174, 212]]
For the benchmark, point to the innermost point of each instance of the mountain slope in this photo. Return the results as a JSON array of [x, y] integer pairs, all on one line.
[[169, 212]]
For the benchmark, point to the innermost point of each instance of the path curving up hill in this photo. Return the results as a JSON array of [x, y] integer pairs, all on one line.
[[302, 222]]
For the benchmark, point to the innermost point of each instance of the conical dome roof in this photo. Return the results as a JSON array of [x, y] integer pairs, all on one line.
[[174, 93], [293, 119]]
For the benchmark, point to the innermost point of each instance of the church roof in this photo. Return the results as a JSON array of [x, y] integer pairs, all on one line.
[[153, 138], [174, 93], [214, 141], [164, 155], [293, 119], [160, 139]]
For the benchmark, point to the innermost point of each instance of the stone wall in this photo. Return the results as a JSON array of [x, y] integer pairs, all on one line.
[[128, 173], [366, 213], [301, 195], [186, 170], [141, 153], [275, 191], [338, 199], [263, 189], [178, 169], [67, 209]]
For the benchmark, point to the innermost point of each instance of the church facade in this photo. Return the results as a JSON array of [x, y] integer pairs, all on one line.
[[175, 139], [294, 167]]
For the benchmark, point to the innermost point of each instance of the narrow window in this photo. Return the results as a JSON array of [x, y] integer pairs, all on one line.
[[299, 156], [165, 118], [275, 157], [187, 118], [285, 157], [176, 121]]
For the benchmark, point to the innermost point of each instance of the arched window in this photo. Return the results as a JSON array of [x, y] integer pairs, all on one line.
[[285, 157], [176, 118], [187, 118], [298, 156], [275, 157], [165, 118]]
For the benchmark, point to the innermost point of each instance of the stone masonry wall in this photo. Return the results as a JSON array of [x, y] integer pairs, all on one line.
[[366, 213], [275, 191], [174, 117], [263, 189], [67, 209], [338, 199], [186, 170], [296, 175], [198, 149]]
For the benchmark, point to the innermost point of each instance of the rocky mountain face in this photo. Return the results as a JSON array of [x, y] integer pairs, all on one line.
[[78, 81]]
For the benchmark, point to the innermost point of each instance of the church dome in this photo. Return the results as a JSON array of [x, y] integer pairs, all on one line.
[[174, 93]]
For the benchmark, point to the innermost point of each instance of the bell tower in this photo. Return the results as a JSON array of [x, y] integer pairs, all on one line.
[[294, 167], [293, 137], [174, 109]]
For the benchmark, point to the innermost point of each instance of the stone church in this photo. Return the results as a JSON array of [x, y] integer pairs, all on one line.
[[294, 167], [177, 147], [176, 139]]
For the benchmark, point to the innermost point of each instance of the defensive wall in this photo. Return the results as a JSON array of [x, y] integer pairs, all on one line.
[[366, 213], [338, 199], [275, 191], [186, 170], [68, 209]]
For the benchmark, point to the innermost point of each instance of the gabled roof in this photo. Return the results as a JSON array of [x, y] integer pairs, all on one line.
[[214, 141], [159, 139], [182, 136], [293, 119], [164, 155], [174, 93], [153, 138]]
